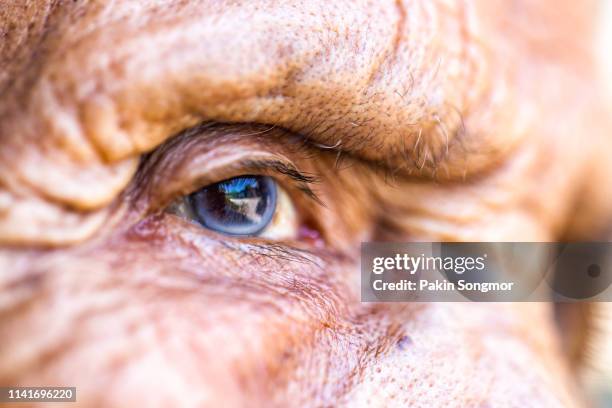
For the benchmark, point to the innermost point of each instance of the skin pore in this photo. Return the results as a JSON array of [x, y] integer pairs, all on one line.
[[424, 120]]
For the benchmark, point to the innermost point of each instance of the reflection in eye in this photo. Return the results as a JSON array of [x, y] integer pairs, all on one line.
[[245, 206], [238, 206]]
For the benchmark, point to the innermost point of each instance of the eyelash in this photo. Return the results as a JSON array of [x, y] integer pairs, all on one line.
[[281, 253], [155, 163], [301, 183], [303, 179]]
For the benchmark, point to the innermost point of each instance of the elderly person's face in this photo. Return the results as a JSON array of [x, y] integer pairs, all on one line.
[[184, 187]]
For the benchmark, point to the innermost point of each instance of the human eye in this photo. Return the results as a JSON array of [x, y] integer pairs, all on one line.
[[227, 184], [245, 205]]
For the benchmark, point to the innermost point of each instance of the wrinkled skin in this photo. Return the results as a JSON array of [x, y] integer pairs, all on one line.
[[423, 120]]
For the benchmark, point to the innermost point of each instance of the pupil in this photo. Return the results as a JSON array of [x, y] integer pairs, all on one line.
[[238, 206]]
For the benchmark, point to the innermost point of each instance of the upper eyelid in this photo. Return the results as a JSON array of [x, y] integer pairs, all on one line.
[[195, 159], [273, 167]]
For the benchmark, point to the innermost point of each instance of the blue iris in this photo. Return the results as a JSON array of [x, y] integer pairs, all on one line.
[[241, 205]]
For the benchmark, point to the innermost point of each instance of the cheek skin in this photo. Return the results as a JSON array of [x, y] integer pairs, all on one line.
[[163, 307]]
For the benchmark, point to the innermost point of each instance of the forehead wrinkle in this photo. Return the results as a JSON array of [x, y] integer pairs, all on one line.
[[277, 63]]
